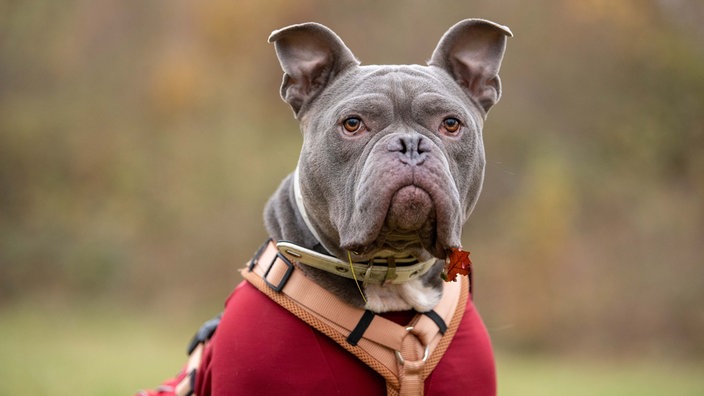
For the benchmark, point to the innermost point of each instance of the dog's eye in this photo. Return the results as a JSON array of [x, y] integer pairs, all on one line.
[[352, 124], [451, 124]]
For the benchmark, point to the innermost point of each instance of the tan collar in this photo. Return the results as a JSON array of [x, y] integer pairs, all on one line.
[[377, 271]]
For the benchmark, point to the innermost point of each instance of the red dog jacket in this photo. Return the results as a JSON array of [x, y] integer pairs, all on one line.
[[260, 348]]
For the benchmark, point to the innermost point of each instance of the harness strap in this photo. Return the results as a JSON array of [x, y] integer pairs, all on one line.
[[404, 356], [411, 370]]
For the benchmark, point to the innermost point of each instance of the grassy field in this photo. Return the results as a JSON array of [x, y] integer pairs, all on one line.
[[554, 376], [106, 351]]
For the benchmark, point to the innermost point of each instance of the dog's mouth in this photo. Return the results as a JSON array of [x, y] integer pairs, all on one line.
[[409, 229]]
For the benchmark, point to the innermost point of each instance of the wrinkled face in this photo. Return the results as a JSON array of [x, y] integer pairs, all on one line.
[[394, 156]]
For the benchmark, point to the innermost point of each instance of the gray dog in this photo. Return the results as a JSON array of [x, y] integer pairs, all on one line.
[[391, 167]]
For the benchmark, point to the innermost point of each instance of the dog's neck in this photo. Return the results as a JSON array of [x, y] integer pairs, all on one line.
[[301, 206]]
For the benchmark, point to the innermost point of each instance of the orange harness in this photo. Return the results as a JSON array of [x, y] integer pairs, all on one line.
[[403, 355]]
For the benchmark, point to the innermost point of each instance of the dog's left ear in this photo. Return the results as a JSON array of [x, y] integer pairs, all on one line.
[[471, 51], [311, 55]]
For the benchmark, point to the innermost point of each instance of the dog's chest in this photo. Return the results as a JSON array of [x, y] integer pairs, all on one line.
[[260, 348]]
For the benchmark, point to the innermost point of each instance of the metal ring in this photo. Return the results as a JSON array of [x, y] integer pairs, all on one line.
[[403, 361]]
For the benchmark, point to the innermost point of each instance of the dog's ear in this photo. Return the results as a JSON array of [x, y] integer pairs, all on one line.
[[471, 51], [311, 55]]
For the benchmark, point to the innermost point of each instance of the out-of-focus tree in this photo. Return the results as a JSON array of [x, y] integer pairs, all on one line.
[[139, 141]]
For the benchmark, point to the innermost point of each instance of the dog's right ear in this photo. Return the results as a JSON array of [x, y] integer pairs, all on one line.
[[471, 52], [311, 55]]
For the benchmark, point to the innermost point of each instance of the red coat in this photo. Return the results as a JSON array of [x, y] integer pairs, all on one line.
[[260, 348]]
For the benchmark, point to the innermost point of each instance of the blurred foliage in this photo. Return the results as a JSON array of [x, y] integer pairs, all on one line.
[[139, 142]]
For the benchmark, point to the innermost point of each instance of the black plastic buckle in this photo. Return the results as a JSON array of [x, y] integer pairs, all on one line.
[[204, 333], [284, 279]]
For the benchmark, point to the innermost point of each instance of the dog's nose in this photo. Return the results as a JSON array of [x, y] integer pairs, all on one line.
[[410, 148]]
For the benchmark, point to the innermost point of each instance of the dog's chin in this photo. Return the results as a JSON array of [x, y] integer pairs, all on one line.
[[392, 243], [414, 223], [409, 229], [421, 244]]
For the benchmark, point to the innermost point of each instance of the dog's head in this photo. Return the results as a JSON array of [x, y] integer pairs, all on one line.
[[393, 157], [392, 161]]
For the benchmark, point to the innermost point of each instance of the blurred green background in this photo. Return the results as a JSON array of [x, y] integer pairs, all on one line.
[[140, 140]]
